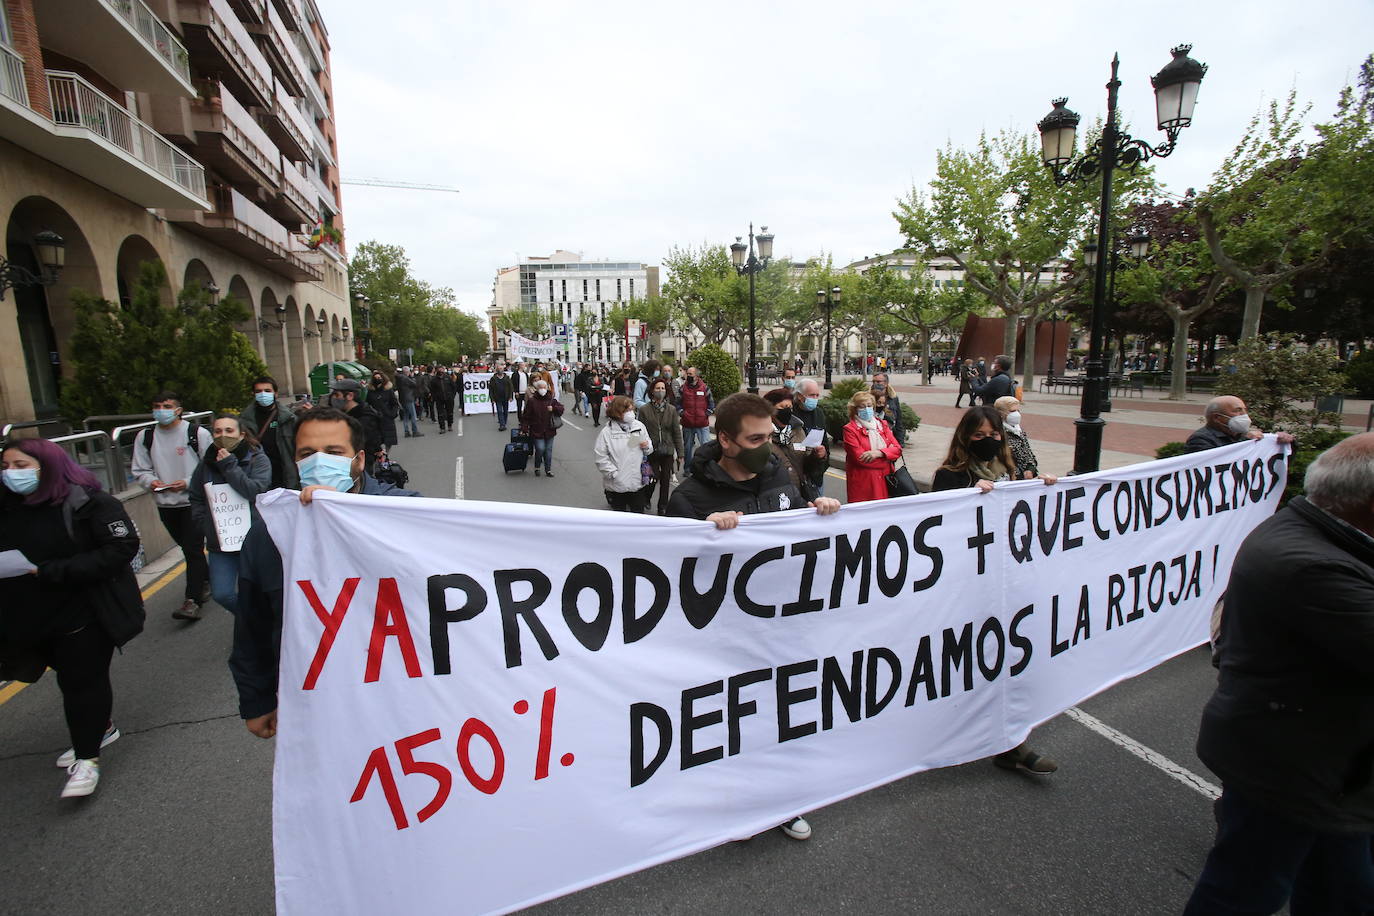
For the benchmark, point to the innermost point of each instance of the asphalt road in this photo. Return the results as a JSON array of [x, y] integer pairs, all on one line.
[[182, 820]]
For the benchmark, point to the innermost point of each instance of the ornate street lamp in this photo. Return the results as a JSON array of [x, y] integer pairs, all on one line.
[[1176, 87], [364, 305], [828, 301], [51, 252], [750, 266]]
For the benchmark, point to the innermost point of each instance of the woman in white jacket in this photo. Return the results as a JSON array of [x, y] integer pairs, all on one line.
[[621, 446]]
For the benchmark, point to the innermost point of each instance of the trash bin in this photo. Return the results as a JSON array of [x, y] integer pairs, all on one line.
[[319, 376]]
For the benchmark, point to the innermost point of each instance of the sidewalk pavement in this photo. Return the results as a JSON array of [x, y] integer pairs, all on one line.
[[1136, 426]]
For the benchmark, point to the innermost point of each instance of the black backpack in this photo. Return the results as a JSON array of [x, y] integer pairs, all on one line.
[[391, 472], [145, 439]]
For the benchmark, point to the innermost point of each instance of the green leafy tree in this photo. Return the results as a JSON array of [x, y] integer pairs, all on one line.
[[996, 212], [1280, 206], [702, 290], [1277, 379], [720, 373], [125, 355], [408, 313], [918, 303]]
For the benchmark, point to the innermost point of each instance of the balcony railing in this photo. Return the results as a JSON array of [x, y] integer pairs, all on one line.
[[286, 50], [297, 188], [289, 113], [12, 84], [158, 36], [245, 134], [239, 45], [324, 191], [76, 103]]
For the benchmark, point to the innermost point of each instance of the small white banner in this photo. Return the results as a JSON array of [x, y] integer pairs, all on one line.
[[470, 726], [231, 513], [521, 347]]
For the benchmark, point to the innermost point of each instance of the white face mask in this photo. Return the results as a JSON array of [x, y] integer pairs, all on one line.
[[628, 418], [1239, 425], [1014, 418]]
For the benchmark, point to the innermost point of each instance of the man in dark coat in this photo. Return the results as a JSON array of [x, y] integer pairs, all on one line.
[[880, 380], [346, 394], [1000, 385], [500, 391], [1225, 422], [256, 655], [273, 423], [443, 390], [1290, 728], [406, 390]]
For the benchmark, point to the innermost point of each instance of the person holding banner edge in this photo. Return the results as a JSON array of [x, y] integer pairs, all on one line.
[[238, 462], [980, 456], [330, 455], [738, 474]]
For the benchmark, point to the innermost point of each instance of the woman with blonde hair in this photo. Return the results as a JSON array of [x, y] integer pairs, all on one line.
[[870, 450], [1021, 452]]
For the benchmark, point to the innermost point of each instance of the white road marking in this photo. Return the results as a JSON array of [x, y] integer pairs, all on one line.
[[1153, 758], [572, 424], [458, 478], [460, 427]]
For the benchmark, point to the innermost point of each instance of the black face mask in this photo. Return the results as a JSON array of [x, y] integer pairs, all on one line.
[[784, 415], [985, 449]]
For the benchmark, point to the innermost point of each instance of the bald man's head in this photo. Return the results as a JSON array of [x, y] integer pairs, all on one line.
[[1341, 481], [1220, 410]]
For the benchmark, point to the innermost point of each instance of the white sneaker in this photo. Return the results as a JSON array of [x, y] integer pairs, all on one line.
[[797, 829], [85, 775], [69, 755]]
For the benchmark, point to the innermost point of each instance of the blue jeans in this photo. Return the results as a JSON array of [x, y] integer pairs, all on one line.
[[502, 408], [543, 450], [582, 403], [693, 436], [224, 579], [409, 420], [1261, 860]]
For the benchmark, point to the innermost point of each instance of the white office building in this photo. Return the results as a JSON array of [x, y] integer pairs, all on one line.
[[574, 295]]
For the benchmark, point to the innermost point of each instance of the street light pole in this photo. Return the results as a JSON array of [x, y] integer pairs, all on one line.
[[828, 301], [752, 266], [1176, 88]]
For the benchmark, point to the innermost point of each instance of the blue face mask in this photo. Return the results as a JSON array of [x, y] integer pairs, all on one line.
[[164, 415], [265, 398], [810, 403], [865, 413], [21, 480], [789, 383], [322, 470]]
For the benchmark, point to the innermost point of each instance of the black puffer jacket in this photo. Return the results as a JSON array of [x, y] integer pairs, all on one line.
[[1291, 724], [709, 489]]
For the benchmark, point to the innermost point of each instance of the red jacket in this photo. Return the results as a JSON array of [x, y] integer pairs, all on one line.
[[864, 481], [696, 405]]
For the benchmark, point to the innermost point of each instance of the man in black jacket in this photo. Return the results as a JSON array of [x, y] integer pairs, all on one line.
[[738, 474], [806, 406], [1290, 728], [443, 390], [500, 391], [346, 394], [274, 425], [880, 380], [1225, 422], [256, 655], [405, 389], [1000, 385]]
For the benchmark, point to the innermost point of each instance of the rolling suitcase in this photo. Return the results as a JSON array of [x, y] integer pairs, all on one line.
[[516, 455]]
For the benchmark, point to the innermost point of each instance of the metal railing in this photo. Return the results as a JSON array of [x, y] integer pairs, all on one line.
[[76, 103], [297, 188], [12, 85], [159, 38], [91, 450], [9, 428], [245, 133]]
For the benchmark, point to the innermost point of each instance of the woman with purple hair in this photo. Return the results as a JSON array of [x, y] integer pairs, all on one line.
[[79, 599]]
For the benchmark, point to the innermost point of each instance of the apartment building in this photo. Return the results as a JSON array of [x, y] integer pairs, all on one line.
[[573, 295], [195, 133]]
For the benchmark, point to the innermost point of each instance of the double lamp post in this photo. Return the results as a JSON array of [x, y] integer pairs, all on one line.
[[750, 266], [1176, 88]]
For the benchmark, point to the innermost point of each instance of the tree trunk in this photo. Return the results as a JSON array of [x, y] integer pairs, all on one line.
[[1178, 382], [925, 357], [1009, 336], [1028, 367], [1254, 305]]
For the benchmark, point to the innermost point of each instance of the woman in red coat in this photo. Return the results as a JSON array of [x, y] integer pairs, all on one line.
[[870, 450]]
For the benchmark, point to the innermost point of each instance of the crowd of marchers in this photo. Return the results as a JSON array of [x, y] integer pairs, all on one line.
[[1289, 730]]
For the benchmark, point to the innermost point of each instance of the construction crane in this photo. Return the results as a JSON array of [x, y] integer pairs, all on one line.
[[405, 185]]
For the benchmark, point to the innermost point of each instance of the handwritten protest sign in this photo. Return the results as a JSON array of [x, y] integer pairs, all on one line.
[[477, 725], [231, 513]]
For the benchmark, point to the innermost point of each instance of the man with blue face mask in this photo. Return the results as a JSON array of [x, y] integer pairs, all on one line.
[[806, 407], [165, 457], [274, 425], [330, 456]]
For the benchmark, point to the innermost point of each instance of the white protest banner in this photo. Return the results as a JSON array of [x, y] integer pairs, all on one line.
[[521, 347], [231, 513], [476, 398], [476, 725]]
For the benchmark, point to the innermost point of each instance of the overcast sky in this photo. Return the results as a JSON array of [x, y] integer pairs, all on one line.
[[621, 129]]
